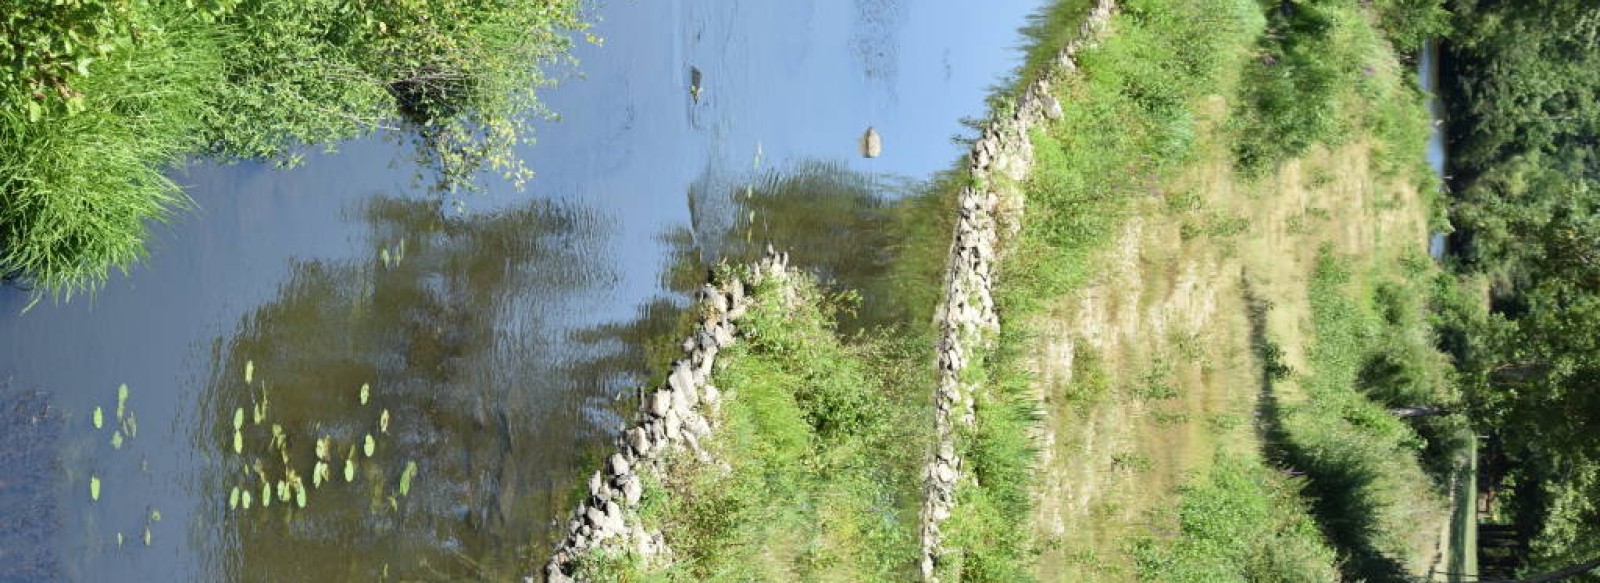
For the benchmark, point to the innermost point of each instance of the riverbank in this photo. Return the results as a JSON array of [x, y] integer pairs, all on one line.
[[1166, 352], [101, 100]]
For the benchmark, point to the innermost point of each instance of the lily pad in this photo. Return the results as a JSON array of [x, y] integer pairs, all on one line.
[[99, 418], [370, 446], [94, 488], [406, 476], [122, 399]]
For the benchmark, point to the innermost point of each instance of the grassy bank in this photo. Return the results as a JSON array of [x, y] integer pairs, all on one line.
[[817, 455], [99, 98], [1203, 331]]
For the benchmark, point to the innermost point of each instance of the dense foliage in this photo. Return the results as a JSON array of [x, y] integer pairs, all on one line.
[[1524, 98], [99, 97]]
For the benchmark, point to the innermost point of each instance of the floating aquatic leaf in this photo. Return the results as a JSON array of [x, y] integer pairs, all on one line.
[[370, 446], [99, 418], [349, 470], [383, 422], [147, 536], [266, 494], [406, 476], [94, 488], [324, 445], [233, 498], [155, 515], [122, 399], [259, 413], [238, 418], [316, 474], [238, 442], [249, 371], [246, 499], [283, 491], [366, 391], [300, 497], [116, 440]]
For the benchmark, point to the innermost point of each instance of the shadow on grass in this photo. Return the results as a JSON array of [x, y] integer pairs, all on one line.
[[1321, 449]]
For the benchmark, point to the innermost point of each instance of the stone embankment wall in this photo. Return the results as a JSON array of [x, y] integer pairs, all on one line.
[[672, 420], [999, 162]]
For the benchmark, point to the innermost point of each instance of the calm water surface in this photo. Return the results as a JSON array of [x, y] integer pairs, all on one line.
[[497, 340]]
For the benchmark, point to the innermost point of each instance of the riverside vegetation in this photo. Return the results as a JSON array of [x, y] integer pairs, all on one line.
[[1214, 301], [100, 98]]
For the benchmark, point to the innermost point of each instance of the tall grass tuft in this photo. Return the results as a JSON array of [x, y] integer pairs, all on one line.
[[78, 192]]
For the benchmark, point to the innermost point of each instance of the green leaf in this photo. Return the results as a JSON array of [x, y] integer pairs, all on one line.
[[366, 391], [406, 476], [238, 442], [245, 495], [94, 488], [233, 498], [238, 418], [249, 371], [99, 418], [35, 111], [122, 399], [116, 440], [370, 446]]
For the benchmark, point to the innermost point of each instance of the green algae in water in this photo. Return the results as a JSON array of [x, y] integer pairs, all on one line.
[[99, 418], [94, 488], [370, 446], [406, 476]]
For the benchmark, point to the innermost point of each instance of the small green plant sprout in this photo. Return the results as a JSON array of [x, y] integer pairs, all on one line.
[[406, 476]]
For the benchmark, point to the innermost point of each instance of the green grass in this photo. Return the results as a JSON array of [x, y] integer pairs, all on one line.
[[78, 192], [103, 97], [1243, 522], [824, 440], [1367, 480]]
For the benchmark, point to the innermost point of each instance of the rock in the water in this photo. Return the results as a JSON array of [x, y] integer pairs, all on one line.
[[871, 143], [619, 465]]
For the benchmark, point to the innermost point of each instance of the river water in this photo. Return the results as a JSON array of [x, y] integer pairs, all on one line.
[[495, 342], [1428, 77]]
